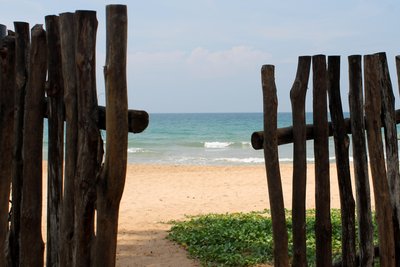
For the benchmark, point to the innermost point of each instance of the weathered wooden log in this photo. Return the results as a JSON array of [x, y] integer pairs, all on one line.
[[285, 134], [363, 196], [90, 145], [7, 99], [138, 120], [55, 111], [4, 209], [270, 101], [31, 246], [342, 143], [112, 179], [373, 108], [3, 31], [323, 227], [298, 100], [392, 157], [398, 70], [67, 42], [21, 77]]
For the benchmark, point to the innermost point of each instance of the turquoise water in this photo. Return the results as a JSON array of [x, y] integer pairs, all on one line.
[[201, 139], [204, 139]]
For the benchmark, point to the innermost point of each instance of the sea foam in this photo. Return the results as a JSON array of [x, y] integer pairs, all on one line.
[[135, 150], [241, 160], [217, 144]]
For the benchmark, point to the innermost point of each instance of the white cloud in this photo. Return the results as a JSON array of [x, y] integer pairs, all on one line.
[[148, 59], [225, 62], [200, 62]]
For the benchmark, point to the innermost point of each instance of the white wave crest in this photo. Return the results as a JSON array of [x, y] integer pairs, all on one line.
[[135, 150], [243, 160], [246, 144], [285, 160], [217, 144]]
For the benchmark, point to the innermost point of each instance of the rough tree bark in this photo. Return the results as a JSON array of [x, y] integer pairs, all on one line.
[[21, 77], [7, 99], [55, 111], [323, 227], [67, 42], [363, 196], [373, 108], [90, 145], [398, 70], [3, 31], [32, 247], [298, 100], [342, 143], [391, 146], [112, 179], [285, 134], [270, 101]]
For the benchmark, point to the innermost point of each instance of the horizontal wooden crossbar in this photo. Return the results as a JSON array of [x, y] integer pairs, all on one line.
[[138, 120], [285, 134]]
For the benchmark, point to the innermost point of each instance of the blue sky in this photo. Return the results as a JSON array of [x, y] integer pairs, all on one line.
[[205, 56]]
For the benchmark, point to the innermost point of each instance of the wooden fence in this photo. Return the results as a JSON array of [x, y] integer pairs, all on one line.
[[51, 73], [371, 103]]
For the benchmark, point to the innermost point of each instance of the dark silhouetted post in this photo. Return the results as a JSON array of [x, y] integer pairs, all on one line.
[[270, 101], [32, 247], [323, 227], [90, 145], [392, 157], [373, 108], [7, 100], [112, 179], [67, 42], [298, 100], [342, 143], [55, 111], [21, 77], [360, 162]]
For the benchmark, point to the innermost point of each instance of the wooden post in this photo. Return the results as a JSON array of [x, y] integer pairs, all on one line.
[[323, 227], [285, 134], [112, 179], [347, 205], [392, 157], [364, 216], [90, 145], [55, 110], [270, 101], [298, 100], [7, 97], [21, 78], [32, 247], [4, 208], [384, 214], [398, 70], [3, 31], [67, 42]]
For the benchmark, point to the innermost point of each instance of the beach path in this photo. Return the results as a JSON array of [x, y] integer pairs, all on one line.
[[157, 194]]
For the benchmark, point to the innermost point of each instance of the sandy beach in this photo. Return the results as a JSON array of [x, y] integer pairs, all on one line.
[[156, 194]]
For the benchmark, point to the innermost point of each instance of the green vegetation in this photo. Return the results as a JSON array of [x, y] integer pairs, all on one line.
[[242, 239]]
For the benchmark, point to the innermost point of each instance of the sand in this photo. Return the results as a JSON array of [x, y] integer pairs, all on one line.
[[156, 194]]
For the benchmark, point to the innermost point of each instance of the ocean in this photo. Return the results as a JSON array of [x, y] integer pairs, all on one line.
[[207, 139], [204, 139]]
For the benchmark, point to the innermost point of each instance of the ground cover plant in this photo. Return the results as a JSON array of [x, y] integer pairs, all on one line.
[[243, 239]]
